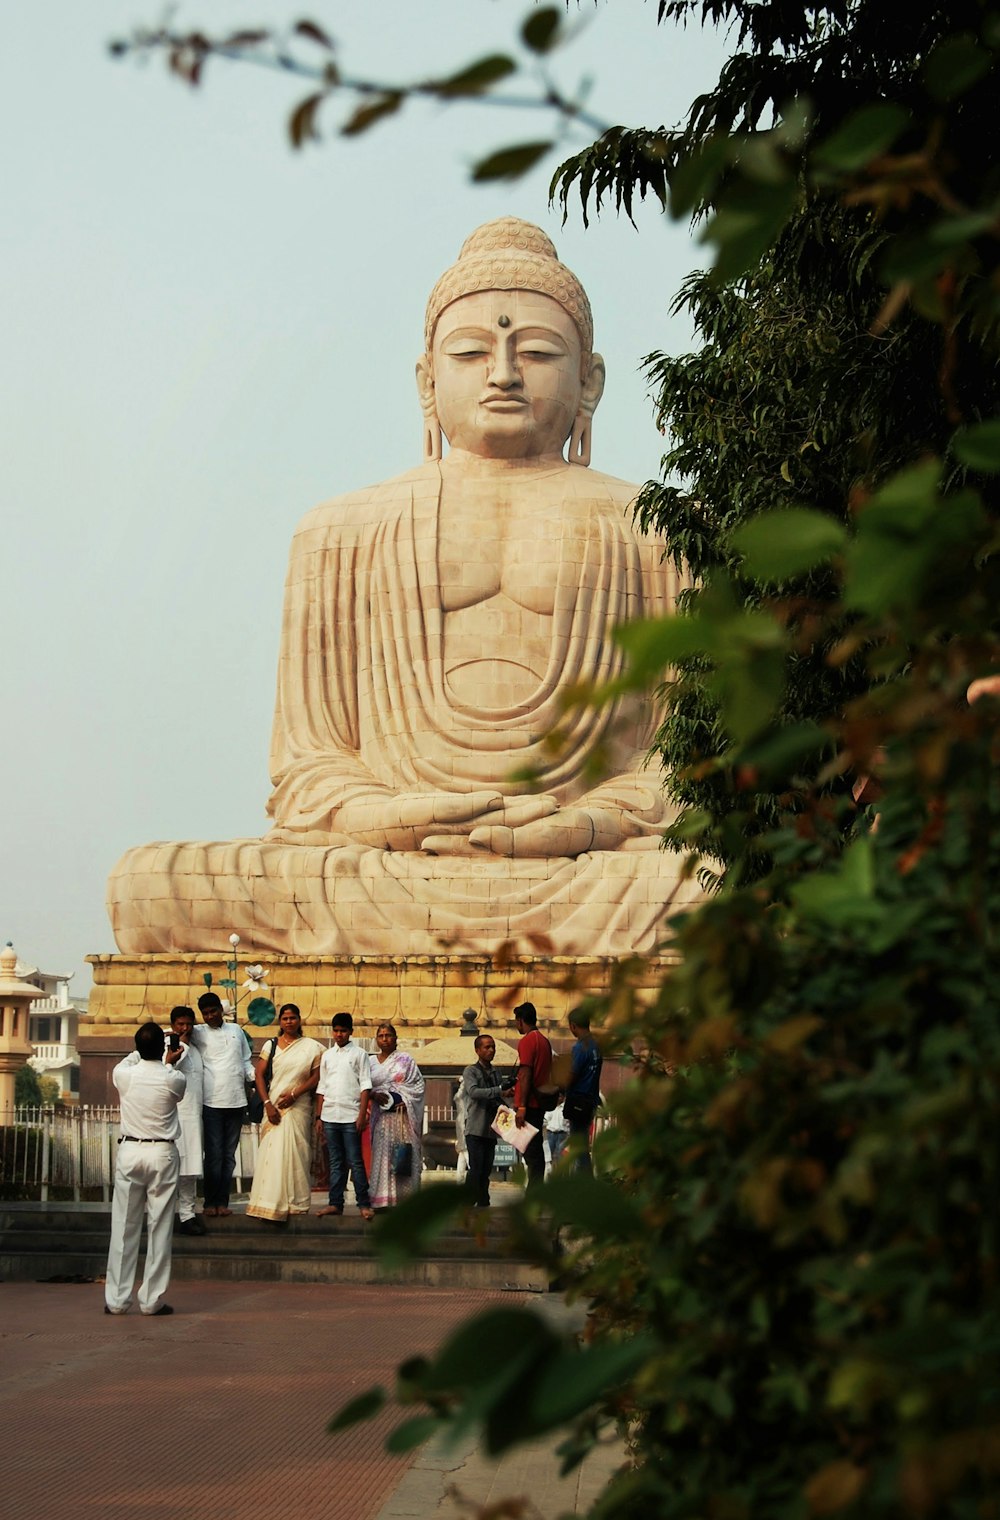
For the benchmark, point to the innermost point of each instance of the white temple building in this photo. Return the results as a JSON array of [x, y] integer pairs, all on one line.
[[52, 1028]]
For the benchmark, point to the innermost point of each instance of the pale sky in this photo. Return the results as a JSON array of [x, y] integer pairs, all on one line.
[[205, 333]]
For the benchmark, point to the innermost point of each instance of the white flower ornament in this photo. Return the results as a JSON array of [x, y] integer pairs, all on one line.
[[256, 978]]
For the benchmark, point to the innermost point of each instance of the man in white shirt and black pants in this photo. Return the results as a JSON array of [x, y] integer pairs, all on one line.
[[342, 1097], [146, 1173], [225, 1052]]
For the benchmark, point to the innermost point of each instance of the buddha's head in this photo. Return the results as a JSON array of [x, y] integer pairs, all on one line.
[[509, 370]]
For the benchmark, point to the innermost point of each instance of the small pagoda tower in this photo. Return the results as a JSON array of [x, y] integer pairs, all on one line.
[[16, 998]]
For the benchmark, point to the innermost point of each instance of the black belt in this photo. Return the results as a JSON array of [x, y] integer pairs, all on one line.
[[144, 1140]]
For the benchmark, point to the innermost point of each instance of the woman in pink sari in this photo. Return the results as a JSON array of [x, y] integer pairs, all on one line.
[[396, 1122]]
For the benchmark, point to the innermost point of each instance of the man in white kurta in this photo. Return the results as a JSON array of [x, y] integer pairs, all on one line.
[[146, 1173], [225, 1051], [191, 1139]]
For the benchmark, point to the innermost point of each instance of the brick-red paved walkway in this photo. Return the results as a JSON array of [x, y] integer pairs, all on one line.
[[216, 1412]]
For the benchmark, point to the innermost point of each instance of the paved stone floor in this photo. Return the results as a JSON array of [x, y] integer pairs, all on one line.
[[442, 1486], [219, 1411]]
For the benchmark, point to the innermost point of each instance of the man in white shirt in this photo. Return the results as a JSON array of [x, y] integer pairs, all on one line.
[[342, 1097], [225, 1051], [146, 1173], [555, 1130], [191, 1142]]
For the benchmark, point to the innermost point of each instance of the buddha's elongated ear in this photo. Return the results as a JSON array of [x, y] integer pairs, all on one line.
[[428, 405], [582, 435]]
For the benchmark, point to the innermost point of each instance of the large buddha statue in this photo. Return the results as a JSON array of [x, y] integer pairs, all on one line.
[[432, 627]]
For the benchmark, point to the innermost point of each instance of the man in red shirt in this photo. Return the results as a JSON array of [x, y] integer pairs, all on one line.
[[534, 1064]]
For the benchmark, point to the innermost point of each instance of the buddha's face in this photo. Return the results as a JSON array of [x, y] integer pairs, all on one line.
[[507, 374]]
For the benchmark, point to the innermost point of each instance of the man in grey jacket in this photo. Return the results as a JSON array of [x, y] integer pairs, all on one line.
[[484, 1092]]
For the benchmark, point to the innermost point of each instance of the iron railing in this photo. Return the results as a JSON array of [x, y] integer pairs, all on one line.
[[50, 1154]]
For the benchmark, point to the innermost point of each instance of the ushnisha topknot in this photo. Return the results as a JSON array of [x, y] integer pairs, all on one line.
[[509, 254]]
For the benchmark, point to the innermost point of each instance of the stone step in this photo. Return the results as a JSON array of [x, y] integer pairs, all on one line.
[[37, 1244], [263, 1241]]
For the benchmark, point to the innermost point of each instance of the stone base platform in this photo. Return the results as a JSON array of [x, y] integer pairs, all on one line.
[[425, 995]]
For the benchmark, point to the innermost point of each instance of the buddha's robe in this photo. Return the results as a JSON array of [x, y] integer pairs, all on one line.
[[369, 707]]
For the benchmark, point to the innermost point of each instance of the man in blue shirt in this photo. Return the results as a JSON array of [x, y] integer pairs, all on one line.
[[583, 1091]]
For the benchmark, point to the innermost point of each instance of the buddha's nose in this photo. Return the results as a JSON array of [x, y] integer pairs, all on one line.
[[504, 373]]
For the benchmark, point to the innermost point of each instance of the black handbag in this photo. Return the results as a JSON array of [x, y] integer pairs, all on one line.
[[402, 1159], [255, 1103]]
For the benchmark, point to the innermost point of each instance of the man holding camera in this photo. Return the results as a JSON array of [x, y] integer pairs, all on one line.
[[146, 1173]]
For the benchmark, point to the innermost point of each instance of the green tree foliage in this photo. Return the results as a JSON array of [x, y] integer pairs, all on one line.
[[306, 50], [27, 1089], [50, 1090], [792, 399]]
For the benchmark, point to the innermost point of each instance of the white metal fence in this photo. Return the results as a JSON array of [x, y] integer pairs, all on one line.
[[52, 1154], [58, 1154]]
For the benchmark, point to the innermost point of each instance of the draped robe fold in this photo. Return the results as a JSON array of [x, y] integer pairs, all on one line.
[[365, 710]]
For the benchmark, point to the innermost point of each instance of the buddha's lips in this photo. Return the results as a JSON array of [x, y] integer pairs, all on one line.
[[504, 403]]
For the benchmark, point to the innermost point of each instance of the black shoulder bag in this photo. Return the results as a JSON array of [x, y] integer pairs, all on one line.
[[255, 1104]]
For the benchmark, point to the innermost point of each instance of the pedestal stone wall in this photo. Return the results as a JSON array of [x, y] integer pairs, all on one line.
[[424, 996]]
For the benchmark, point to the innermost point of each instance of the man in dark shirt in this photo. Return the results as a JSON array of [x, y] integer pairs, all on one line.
[[583, 1091], [534, 1065]]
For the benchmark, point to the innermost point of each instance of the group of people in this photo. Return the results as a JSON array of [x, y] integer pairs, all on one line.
[[532, 1096], [183, 1106], [183, 1099], [353, 1092]]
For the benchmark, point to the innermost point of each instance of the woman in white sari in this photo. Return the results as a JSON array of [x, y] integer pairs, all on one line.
[[282, 1174], [397, 1121]]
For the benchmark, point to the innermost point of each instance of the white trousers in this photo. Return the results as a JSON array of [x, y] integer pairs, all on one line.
[[187, 1191], [145, 1183]]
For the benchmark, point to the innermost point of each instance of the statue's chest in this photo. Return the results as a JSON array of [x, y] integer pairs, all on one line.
[[491, 547], [506, 564]]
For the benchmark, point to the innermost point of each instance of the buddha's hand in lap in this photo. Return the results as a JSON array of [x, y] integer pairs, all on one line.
[[567, 831], [404, 821], [513, 813]]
